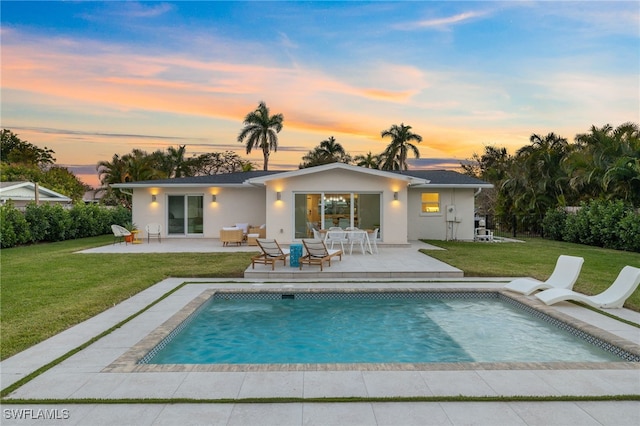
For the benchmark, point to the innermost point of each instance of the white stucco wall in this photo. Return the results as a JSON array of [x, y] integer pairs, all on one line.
[[400, 220], [232, 205], [434, 225], [280, 213]]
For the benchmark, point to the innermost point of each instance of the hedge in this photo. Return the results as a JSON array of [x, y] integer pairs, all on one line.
[[609, 224], [53, 222]]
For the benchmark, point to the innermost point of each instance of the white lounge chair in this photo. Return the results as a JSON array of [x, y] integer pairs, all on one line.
[[119, 233], [564, 275], [613, 297]]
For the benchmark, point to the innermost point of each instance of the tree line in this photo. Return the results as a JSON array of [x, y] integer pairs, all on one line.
[[550, 173], [23, 161]]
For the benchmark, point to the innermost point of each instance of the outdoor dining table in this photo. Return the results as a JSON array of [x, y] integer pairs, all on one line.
[[347, 233]]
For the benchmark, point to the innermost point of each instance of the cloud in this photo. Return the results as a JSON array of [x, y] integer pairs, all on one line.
[[442, 23], [126, 81], [129, 10]]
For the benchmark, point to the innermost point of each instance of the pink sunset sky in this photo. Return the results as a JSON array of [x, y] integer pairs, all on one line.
[[93, 79]]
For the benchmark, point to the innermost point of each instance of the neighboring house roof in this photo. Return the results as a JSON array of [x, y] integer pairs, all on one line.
[[416, 178], [25, 191], [93, 195]]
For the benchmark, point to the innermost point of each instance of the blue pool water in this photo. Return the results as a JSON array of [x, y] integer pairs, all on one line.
[[395, 329]]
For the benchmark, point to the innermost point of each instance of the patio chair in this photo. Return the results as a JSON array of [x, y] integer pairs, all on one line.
[[317, 253], [231, 235], [358, 238], [483, 234], [153, 231], [119, 233], [336, 235], [373, 239], [564, 275], [271, 253], [614, 297]]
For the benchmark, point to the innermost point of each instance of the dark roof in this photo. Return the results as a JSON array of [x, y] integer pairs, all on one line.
[[443, 177], [435, 177], [220, 179]]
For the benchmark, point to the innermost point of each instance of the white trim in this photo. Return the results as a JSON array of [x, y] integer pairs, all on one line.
[[332, 166]]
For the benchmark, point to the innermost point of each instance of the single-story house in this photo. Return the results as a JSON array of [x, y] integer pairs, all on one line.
[[408, 205], [23, 193]]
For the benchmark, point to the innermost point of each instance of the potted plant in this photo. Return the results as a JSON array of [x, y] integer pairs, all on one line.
[[131, 227]]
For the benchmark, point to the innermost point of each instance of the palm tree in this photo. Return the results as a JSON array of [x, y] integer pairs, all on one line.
[[260, 131], [172, 163], [535, 181], [396, 152], [133, 167], [607, 163], [328, 151], [368, 160]]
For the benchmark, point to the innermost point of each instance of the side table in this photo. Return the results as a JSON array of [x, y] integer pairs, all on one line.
[[295, 253]]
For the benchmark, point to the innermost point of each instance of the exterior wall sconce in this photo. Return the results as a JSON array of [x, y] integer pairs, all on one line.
[[213, 198], [278, 195], [395, 195], [153, 198]]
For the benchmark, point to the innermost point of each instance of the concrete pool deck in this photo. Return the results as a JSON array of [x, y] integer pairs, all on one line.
[[85, 375], [404, 261]]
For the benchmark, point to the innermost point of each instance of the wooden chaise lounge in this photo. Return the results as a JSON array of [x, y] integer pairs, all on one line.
[[271, 253], [317, 253]]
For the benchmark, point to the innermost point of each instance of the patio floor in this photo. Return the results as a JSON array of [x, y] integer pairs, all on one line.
[[391, 261]]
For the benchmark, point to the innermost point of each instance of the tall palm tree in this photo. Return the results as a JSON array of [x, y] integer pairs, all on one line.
[[397, 151], [260, 131]]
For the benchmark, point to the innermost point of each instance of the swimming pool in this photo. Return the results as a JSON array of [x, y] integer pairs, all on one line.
[[395, 327]]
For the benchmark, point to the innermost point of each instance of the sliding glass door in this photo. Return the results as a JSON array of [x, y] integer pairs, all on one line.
[[185, 215], [328, 209]]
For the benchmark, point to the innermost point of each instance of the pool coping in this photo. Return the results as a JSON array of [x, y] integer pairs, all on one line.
[[130, 361], [82, 376]]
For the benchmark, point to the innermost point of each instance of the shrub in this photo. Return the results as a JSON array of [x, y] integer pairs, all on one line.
[[554, 223], [630, 231], [119, 216], [14, 228], [88, 220], [38, 223], [52, 222], [604, 224]]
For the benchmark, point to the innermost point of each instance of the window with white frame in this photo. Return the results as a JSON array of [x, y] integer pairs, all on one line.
[[429, 202]]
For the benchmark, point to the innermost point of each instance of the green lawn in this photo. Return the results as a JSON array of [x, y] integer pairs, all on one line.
[[46, 288], [536, 258]]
